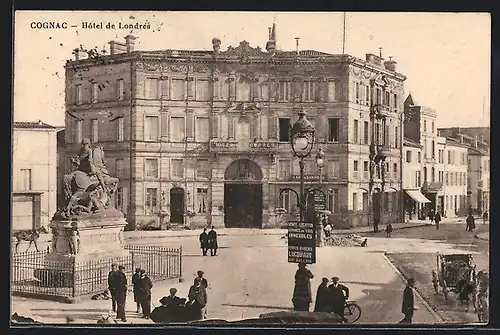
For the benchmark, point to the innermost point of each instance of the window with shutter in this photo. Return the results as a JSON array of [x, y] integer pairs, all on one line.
[[230, 127], [202, 200], [177, 128], [151, 201], [151, 168], [190, 88], [333, 129], [284, 129], [151, 127], [78, 94], [367, 95], [331, 91], [78, 131], [366, 132], [202, 129], [177, 168], [355, 133], [243, 90], [264, 91], [177, 88], [284, 90], [151, 88], [202, 168], [357, 92], [164, 125], [202, 90], [285, 169], [121, 129], [95, 92]]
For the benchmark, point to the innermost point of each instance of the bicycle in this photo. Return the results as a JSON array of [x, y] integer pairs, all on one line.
[[352, 312]]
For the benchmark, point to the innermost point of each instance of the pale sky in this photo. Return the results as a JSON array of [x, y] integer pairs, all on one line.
[[446, 57]]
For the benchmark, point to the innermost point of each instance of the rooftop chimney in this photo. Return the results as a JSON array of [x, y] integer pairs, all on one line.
[[271, 44], [130, 43], [76, 52], [297, 44], [390, 64], [380, 52]]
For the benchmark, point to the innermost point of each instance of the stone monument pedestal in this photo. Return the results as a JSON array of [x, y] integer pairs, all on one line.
[[83, 249]]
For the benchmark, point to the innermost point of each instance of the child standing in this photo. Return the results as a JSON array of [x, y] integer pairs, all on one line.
[[388, 229]]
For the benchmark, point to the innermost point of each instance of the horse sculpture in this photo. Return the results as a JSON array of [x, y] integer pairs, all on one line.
[[29, 235]]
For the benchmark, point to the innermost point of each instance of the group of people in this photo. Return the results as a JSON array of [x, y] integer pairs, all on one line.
[[329, 298], [118, 286], [435, 217], [208, 241], [178, 309]]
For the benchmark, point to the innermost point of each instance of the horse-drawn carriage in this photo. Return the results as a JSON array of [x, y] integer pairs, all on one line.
[[454, 273]]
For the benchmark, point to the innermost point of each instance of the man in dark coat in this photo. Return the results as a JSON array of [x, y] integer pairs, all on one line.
[[144, 295], [212, 242], [437, 219], [136, 280], [408, 302], [204, 242], [431, 215], [171, 308], [197, 299], [302, 289], [338, 296], [121, 293], [470, 225], [111, 285], [322, 302]]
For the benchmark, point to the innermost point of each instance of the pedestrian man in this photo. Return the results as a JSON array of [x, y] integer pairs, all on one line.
[[204, 281], [111, 285], [322, 302], [302, 290], [121, 293], [408, 302], [485, 217], [145, 294], [328, 229], [376, 222], [212, 242], [136, 285], [470, 225], [338, 297], [437, 218], [388, 229], [204, 242], [431, 215], [197, 299]]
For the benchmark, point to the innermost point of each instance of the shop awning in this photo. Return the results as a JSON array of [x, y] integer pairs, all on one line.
[[417, 196]]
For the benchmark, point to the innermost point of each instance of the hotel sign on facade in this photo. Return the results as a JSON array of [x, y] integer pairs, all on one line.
[[301, 242]]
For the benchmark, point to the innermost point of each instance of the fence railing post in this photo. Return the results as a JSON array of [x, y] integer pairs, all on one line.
[[73, 277], [180, 265]]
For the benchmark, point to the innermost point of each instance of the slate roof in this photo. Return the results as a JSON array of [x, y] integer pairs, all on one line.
[[33, 125]]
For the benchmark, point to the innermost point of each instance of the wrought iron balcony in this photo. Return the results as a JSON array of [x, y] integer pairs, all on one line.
[[380, 111], [432, 187], [383, 151], [220, 146]]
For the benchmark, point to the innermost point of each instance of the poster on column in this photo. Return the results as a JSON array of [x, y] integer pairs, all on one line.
[[301, 242]]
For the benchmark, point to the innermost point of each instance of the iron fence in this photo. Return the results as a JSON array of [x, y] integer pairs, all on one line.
[[34, 275]]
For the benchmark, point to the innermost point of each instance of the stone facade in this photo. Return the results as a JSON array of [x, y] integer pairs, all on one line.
[[34, 172], [172, 121]]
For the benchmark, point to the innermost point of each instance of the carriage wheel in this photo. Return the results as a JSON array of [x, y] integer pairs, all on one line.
[[352, 312]]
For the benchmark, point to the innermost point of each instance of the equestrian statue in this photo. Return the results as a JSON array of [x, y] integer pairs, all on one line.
[[88, 188]]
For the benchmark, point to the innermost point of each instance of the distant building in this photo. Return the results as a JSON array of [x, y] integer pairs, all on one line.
[[444, 162], [476, 139], [34, 174], [61, 163], [208, 131], [414, 200]]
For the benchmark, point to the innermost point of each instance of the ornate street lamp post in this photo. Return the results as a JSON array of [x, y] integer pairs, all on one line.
[[320, 161], [302, 141]]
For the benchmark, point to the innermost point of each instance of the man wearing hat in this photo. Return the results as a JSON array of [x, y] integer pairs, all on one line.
[[322, 302], [121, 293], [338, 299], [408, 302], [112, 284], [136, 285]]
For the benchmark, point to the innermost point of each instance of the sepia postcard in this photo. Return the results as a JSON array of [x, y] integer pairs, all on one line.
[[202, 168]]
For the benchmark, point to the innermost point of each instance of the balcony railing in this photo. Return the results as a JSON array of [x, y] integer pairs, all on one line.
[[432, 187], [383, 151], [223, 146], [381, 111]]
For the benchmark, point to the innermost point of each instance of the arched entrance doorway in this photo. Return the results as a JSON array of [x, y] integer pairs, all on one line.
[[243, 195], [177, 205]]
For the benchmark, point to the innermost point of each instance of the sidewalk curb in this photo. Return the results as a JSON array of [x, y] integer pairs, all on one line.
[[403, 278], [274, 232]]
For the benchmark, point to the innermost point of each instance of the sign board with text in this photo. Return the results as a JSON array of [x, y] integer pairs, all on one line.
[[301, 242]]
